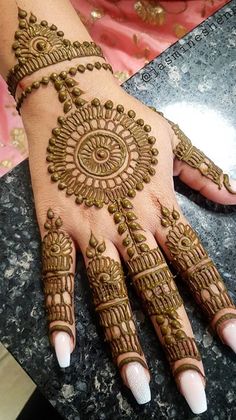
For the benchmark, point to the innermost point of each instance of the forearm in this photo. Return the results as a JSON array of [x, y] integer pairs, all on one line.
[[57, 12]]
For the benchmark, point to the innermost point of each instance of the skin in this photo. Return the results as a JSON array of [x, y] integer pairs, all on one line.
[[39, 113]]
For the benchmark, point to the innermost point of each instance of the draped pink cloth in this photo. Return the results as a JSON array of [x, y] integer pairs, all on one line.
[[131, 34]]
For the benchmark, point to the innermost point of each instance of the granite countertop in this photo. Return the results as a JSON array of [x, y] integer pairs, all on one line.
[[195, 86]]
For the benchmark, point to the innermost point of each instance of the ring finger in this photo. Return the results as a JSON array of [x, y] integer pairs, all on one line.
[[185, 250]]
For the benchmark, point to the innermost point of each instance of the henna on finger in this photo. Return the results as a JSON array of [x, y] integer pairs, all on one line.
[[101, 155], [186, 152], [195, 266], [111, 302], [154, 283], [58, 280]]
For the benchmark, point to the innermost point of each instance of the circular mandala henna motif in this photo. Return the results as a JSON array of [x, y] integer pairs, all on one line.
[[100, 154]]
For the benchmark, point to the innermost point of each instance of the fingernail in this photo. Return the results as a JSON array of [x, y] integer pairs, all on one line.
[[228, 334], [138, 383], [62, 348], [192, 388]]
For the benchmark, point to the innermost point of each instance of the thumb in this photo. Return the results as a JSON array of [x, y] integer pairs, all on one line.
[[199, 172]]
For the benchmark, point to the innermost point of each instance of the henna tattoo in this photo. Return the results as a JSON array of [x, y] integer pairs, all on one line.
[[187, 366], [195, 266], [68, 92], [39, 45], [100, 154], [195, 158], [126, 222], [57, 278], [153, 282], [107, 283], [155, 285]]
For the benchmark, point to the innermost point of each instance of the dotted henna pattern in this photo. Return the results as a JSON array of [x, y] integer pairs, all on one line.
[[100, 154], [38, 45]]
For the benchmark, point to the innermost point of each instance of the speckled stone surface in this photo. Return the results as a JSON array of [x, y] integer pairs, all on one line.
[[204, 79]]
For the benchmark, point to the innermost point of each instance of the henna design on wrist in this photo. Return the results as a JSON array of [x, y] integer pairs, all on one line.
[[57, 278], [38, 45], [67, 87], [195, 266], [102, 155], [110, 298]]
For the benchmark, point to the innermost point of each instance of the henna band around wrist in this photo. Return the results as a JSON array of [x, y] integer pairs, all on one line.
[[38, 45]]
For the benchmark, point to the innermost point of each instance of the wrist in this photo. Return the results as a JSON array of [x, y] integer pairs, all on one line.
[[72, 81]]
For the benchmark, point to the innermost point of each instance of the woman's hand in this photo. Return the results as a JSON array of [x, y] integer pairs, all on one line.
[[102, 177]]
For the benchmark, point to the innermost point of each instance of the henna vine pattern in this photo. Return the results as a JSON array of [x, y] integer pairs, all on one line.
[[194, 264], [57, 278]]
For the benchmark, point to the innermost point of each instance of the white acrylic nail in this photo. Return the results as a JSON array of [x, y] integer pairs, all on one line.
[[138, 383], [62, 348], [192, 388], [228, 334]]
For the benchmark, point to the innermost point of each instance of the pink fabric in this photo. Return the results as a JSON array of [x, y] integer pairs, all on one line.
[[131, 34]]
